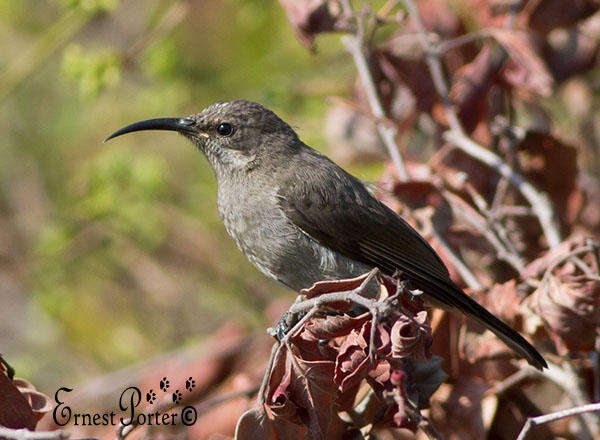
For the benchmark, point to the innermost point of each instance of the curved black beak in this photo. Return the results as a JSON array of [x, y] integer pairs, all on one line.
[[182, 125]]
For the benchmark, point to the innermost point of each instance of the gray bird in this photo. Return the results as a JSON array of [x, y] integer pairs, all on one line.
[[300, 218]]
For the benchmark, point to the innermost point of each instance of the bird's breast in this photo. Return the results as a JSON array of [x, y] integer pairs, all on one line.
[[273, 244]]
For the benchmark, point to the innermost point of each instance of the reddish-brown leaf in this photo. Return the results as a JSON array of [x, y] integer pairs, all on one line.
[[525, 69], [552, 166], [301, 390], [571, 311], [311, 17], [412, 337], [333, 326], [550, 14], [15, 410], [471, 85], [255, 425]]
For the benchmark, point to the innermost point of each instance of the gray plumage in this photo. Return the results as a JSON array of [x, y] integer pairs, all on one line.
[[300, 218]]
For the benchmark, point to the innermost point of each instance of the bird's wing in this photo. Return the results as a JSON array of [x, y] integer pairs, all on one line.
[[336, 209]]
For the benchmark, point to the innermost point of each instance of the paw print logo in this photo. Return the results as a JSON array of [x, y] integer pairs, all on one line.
[[177, 396], [150, 397], [164, 384], [190, 384]]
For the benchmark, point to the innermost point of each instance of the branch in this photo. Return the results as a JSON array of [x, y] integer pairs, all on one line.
[[539, 201], [568, 380], [26, 434], [540, 420], [355, 44]]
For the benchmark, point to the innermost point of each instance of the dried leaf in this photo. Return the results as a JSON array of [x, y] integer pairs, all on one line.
[[40, 403], [255, 425], [333, 326], [353, 364], [552, 166], [305, 392], [471, 85], [412, 337], [550, 14], [571, 312], [504, 301], [525, 68], [15, 410], [310, 17]]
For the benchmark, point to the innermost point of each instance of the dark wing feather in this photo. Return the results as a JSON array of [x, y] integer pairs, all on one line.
[[342, 215], [335, 209]]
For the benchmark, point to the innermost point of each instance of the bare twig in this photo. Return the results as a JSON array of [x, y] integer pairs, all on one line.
[[355, 46], [476, 220], [168, 21], [446, 45], [539, 201], [569, 381], [25, 434], [422, 422], [574, 253], [540, 420]]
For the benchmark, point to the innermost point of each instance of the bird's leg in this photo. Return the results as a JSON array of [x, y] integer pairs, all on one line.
[[287, 321], [372, 347], [260, 400]]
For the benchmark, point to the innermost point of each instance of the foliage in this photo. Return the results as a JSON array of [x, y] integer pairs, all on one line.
[[105, 243]]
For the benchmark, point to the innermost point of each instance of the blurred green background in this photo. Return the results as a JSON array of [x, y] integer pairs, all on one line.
[[112, 253]]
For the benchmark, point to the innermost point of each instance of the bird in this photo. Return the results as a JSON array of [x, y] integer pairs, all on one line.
[[300, 218]]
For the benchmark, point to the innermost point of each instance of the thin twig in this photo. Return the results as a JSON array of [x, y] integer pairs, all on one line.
[[512, 380], [539, 201], [465, 273], [540, 420], [476, 220], [422, 422], [26, 434], [446, 45], [355, 46]]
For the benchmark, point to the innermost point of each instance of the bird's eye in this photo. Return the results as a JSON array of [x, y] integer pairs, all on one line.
[[225, 129]]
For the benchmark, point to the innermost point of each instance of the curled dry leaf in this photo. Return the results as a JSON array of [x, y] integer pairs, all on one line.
[[311, 17], [328, 361], [570, 310], [15, 409], [525, 69], [412, 337], [305, 394]]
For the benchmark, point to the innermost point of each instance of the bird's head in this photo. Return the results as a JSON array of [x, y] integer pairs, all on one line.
[[233, 135]]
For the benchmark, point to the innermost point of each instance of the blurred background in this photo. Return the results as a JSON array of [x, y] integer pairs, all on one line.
[[112, 253]]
